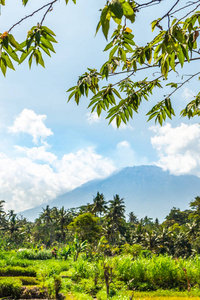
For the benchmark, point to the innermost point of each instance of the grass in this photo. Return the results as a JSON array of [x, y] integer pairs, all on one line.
[[156, 277]]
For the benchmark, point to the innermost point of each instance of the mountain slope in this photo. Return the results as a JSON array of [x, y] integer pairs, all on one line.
[[147, 190]]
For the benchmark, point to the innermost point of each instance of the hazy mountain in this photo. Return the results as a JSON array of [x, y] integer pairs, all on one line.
[[147, 190]]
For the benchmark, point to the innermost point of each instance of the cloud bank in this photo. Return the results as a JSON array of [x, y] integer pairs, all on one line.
[[178, 148], [29, 122], [33, 176]]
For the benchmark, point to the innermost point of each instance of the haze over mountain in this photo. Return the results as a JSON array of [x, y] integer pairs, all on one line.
[[147, 190]]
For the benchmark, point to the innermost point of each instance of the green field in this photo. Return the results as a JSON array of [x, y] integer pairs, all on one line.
[[32, 273]]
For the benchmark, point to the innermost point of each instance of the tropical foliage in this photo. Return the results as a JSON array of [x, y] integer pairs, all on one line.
[[74, 253], [105, 228], [114, 88]]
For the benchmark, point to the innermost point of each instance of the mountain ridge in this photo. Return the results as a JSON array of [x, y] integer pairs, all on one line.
[[147, 190]]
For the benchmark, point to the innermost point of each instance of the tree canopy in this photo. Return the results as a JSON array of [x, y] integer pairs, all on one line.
[[114, 88]]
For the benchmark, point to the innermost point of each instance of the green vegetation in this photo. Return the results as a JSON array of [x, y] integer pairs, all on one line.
[[164, 54], [114, 277], [99, 229], [120, 259]]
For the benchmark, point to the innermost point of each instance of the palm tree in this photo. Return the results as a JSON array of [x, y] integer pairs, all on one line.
[[13, 226], [2, 215], [1, 207], [133, 218], [195, 206], [46, 217], [116, 217], [63, 219], [99, 205]]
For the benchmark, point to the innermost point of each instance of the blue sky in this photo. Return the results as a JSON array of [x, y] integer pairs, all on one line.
[[49, 146]]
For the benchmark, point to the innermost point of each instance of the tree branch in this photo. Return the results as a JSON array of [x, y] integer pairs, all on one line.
[[192, 76], [50, 4], [167, 14]]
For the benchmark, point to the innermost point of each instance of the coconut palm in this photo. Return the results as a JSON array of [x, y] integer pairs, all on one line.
[[99, 205], [115, 217]]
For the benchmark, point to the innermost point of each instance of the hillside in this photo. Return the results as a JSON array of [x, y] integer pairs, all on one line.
[[147, 190]]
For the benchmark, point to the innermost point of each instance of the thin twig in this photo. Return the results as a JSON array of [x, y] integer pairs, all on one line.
[[187, 14], [183, 7], [36, 11], [49, 8], [147, 4], [167, 14], [169, 95]]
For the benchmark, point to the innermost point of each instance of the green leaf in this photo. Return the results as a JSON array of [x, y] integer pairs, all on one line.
[[3, 66], [181, 56], [45, 49], [71, 95], [8, 61], [116, 8], [29, 42], [24, 2], [47, 44], [72, 88], [154, 24], [128, 47], [108, 46], [40, 59], [25, 54], [12, 53], [98, 26], [105, 21], [172, 61], [129, 41], [99, 108], [123, 55], [48, 37], [13, 42], [112, 52], [117, 93], [49, 31], [118, 121], [152, 116], [128, 11], [37, 37]]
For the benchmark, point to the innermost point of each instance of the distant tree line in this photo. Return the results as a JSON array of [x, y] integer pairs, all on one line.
[[178, 235]]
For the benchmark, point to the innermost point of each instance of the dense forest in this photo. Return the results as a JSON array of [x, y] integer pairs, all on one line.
[[104, 222]]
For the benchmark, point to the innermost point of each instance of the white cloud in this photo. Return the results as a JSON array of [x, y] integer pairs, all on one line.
[[26, 182], [123, 126], [178, 148], [37, 153], [125, 156], [29, 122], [32, 176], [187, 94], [93, 118], [123, 144]]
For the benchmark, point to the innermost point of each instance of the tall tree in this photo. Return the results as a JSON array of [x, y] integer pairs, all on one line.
[[46, 217], [116, 217], [99, 204], [86, 227]]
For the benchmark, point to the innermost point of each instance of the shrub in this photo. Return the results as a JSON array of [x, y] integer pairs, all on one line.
[[28, 280], [10, 287], [57, 285], [135, 249], [17, 271], [35, 254]]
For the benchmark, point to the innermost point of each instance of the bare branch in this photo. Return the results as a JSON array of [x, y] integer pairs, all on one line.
[[192, 76], [50, 4]]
